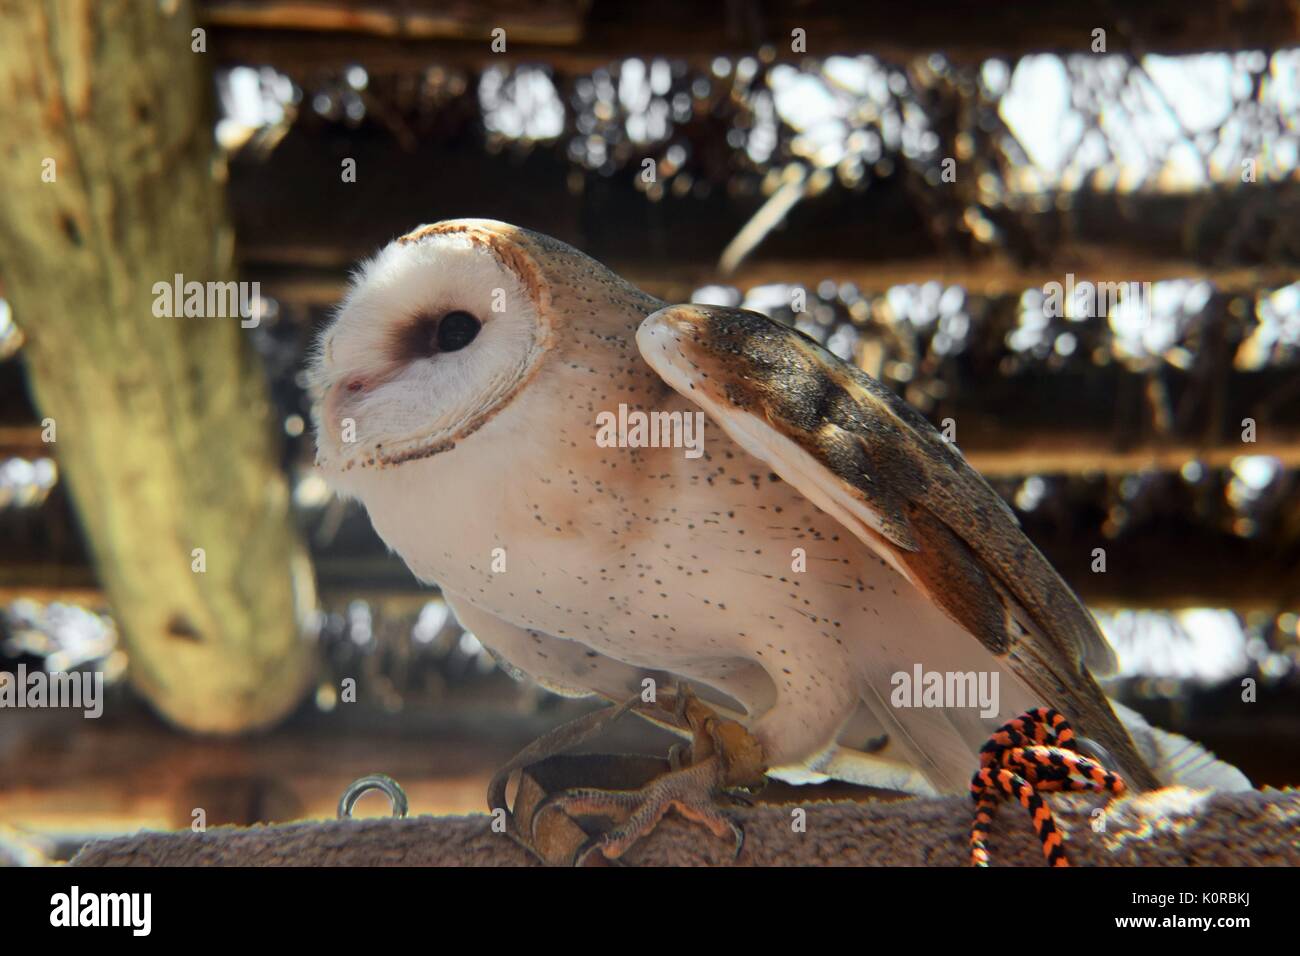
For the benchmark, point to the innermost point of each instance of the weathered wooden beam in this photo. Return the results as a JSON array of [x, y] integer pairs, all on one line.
[[317, 276], [393, 37], [23, 441], [293, 211], [1065, 453], [162, 423], [544, 22]]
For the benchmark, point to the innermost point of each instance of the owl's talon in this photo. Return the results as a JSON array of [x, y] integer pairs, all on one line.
[[591, 851], [691, 792], [722, 757], [678, 756]]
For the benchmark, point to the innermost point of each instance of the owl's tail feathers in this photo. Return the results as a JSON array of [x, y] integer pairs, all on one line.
[[1174, 759], [1177, 760]]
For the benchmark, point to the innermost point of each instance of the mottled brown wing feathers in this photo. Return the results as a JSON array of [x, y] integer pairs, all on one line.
[[935, 473], [887, 453], [945, 527], [950, 574]]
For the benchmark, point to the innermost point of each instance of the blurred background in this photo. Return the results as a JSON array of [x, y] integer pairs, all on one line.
[[920, 172]]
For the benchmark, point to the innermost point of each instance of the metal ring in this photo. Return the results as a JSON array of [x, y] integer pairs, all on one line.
[[373, 781]]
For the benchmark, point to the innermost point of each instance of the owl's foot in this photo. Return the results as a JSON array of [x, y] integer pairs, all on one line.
[[1035, 753], [692, 792], [722, 758]]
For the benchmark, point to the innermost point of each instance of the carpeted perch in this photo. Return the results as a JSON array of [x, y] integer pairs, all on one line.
[[1173, 827]]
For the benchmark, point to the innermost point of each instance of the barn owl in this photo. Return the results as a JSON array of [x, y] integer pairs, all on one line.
[[824, 541]]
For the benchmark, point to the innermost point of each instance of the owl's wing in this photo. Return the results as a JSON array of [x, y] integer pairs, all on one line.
[[870, 460]]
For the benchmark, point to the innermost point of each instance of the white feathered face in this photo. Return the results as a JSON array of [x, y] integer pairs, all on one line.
[[439, 332]]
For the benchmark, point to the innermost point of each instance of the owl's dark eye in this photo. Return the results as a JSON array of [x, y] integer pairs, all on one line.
[[428, 335], [456, 330]]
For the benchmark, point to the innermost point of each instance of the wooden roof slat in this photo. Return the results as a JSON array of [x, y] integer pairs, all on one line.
[[306, 35], [525, 21]]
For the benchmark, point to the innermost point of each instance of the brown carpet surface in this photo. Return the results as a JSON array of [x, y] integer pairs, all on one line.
[[1173, 827]]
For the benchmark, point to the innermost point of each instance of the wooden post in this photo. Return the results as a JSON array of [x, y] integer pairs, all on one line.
[[162, 426]]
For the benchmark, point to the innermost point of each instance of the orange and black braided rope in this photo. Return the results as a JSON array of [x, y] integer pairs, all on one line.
[[1035, 753]]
